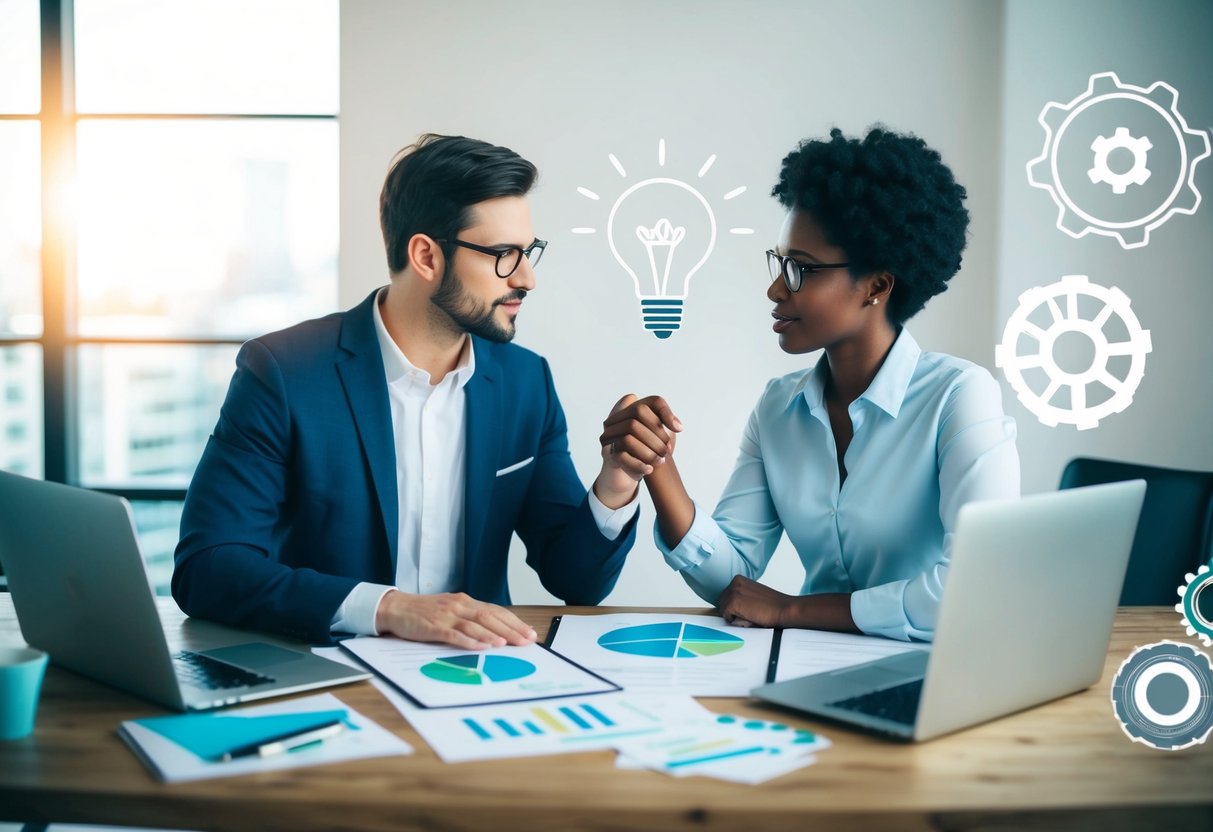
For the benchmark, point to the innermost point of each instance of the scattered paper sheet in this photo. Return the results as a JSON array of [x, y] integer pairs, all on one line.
[[173, 764], [556, 726], [696, 655], [726, 746]]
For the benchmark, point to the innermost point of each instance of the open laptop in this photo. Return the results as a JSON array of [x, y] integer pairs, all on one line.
[[82, 594], [1026, 617]]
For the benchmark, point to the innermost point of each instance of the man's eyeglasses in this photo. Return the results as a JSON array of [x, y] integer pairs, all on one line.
[[508, 257], [793, 272]]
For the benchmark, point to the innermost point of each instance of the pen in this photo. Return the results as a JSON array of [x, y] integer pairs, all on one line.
[[286, 742]]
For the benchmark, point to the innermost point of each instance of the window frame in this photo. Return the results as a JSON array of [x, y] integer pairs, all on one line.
[[58, 119]]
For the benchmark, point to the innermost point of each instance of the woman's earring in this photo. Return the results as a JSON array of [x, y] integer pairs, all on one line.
[[874, 301]]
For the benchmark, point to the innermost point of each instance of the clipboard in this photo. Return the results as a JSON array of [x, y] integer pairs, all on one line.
[[454, 675]]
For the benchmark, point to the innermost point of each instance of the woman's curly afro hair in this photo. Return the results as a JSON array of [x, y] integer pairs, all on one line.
[[889, 201]]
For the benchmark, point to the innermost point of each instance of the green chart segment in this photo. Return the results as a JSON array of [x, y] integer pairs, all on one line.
[[477, 669], [671, 640]]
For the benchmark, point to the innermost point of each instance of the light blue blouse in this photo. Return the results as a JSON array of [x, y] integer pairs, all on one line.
[[929, 436]]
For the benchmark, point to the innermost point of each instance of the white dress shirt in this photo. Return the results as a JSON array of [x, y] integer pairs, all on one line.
[[929, 436], [429, 429]]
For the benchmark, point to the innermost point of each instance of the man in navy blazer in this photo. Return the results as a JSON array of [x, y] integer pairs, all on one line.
[[369, 468]]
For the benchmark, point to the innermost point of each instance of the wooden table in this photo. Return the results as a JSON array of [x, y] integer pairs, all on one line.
[[1062, 765]]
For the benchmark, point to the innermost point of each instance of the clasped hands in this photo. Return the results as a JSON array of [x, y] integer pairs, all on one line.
[[637, 437]]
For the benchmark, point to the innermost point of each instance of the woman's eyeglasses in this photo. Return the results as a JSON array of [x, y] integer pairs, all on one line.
[[793, 272]]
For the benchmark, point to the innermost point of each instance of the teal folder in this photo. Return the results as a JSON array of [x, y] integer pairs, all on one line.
[[210, 736]]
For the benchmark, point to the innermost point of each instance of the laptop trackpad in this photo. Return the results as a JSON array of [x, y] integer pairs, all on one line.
[[256, 655]]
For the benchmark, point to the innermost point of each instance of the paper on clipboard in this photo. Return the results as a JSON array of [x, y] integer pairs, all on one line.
[[440, 676]]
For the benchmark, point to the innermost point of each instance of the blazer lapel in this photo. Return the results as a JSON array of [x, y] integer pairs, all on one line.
[[362, 375], [483, 439]]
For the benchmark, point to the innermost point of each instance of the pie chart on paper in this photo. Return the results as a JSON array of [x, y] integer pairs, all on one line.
[[477, 669], [671, 640]]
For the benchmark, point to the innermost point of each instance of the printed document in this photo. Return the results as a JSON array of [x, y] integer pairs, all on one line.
[[696, 655], [440, 676]]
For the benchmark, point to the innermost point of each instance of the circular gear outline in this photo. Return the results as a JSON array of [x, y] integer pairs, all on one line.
[[1137, 347], [1196, 625], [1164, 732], [1104, 86], [1122, 139]]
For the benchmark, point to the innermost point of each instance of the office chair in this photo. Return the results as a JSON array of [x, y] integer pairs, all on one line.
[[1174, 534]]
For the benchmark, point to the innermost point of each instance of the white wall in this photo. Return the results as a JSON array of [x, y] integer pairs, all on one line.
[[565, 84], [1051, 50]]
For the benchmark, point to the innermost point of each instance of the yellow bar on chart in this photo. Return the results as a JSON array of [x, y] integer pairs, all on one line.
[[549, 720]]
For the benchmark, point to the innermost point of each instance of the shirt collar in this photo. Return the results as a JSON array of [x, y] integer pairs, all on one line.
[[887, 390], [396, 364]]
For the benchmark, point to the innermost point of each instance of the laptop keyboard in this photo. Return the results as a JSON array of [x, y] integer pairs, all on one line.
[[897, 704], [204, 672]]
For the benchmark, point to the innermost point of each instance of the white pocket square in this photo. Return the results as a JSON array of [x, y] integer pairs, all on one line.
[[511, 468]]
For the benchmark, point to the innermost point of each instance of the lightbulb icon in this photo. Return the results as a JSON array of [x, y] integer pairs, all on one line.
[[662, 314], [661, 231]]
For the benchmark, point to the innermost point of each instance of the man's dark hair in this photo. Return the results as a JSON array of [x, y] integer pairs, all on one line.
[[433, 183], [889, 202]]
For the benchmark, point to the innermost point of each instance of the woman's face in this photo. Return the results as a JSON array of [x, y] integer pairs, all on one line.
[[829, 306]]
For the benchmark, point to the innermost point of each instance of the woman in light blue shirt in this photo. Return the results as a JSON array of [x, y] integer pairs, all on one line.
[[864, 458]]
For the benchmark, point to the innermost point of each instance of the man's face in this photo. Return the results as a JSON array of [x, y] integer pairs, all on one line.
[[471, 294]]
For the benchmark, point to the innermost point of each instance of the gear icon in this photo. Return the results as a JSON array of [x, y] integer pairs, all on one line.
[[1162, 696], [1197, 623], [1120, 140], [1173, 189], [1114, 302]]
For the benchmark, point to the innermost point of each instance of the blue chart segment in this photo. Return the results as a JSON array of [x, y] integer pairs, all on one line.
[[672, 640], [477, 669], [567, 722]]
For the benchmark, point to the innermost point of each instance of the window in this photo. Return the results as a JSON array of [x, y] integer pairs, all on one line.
[[182, 200], [20, 240]]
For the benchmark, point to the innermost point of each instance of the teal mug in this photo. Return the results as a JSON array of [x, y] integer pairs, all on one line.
[[21, 671]]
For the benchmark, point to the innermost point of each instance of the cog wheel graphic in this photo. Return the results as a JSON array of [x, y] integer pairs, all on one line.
[[1114, 302], [1196, 621], [1162, 696], [1120, 140], [1174, 192]]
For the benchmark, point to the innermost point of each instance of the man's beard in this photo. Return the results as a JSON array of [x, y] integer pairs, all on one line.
[[471, 315]]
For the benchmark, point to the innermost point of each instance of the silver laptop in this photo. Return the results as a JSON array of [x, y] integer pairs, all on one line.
[[1026, 617], [82, 594]]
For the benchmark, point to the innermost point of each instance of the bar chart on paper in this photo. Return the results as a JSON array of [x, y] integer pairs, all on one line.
[[547, 727], [477, 669], [674, 639], [559, 721]]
